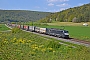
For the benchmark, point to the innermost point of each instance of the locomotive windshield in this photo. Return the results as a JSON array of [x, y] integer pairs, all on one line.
[[65, 31]]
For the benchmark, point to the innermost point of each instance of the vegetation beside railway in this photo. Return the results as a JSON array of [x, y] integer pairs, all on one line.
[[3, 27], [76, 30], [18, 45]]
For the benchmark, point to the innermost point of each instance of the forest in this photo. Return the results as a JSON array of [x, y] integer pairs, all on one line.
[[21, 15], [75, 14]]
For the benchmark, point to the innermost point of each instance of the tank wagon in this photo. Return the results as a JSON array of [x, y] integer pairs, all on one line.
[[49, 31]]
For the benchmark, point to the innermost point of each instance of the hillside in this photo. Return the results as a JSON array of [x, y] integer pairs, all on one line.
[[76, 14], [21, 15]]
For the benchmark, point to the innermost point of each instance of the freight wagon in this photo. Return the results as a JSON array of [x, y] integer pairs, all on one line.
[[19, 26], [37, 29], [13, 25], [31, 28], [22, 26], [43, 30], [26, 27]]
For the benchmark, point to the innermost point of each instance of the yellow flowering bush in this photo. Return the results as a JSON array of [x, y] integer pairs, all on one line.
[[28, 46]]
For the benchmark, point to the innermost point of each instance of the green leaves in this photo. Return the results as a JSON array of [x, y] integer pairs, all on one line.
[[16, 30], [82, 13], [53, 44], [21, 15]]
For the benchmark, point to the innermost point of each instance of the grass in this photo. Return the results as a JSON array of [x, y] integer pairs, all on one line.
[[76, 30], [67, 24], [19, 45], [3, 27], [79, 32]]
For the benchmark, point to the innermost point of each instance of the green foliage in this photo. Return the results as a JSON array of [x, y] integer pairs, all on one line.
[[3, 27], [28, 46], [82, 13], [16, 30], [21, 45], [75, 20], [21, 15], [53, 44]]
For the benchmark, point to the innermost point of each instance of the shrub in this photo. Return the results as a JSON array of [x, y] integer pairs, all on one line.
[[16, 30], [76, 20], [53, 44]]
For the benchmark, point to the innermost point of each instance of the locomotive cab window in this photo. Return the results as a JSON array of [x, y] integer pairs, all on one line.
[[65, 31]]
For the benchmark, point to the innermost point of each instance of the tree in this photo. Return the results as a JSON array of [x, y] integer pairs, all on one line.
[[76, 20]]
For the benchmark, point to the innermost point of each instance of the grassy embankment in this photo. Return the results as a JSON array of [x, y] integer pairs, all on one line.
[[19, 45], [3, 27], [76, 30]]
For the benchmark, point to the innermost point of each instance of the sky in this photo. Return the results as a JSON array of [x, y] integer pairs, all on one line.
[[41, 5]]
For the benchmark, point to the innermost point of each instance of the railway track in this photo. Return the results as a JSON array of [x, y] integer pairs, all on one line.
[[87, 43], [71, 40]]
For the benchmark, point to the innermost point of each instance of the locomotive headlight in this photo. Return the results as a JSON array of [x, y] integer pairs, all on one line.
[[66, 33]]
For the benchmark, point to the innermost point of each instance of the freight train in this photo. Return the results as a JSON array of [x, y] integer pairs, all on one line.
[[61, 33]]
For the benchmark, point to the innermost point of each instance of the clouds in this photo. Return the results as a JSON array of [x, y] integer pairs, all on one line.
[[41, 5], [63, 5], [57, 0], [50, 4], [52, 0], [57, 5]]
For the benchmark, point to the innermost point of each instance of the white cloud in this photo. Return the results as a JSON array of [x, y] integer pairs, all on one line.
[[63, 5], [62, 9], [52, 0], [57, 10], [57, 0], [50, 4]]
